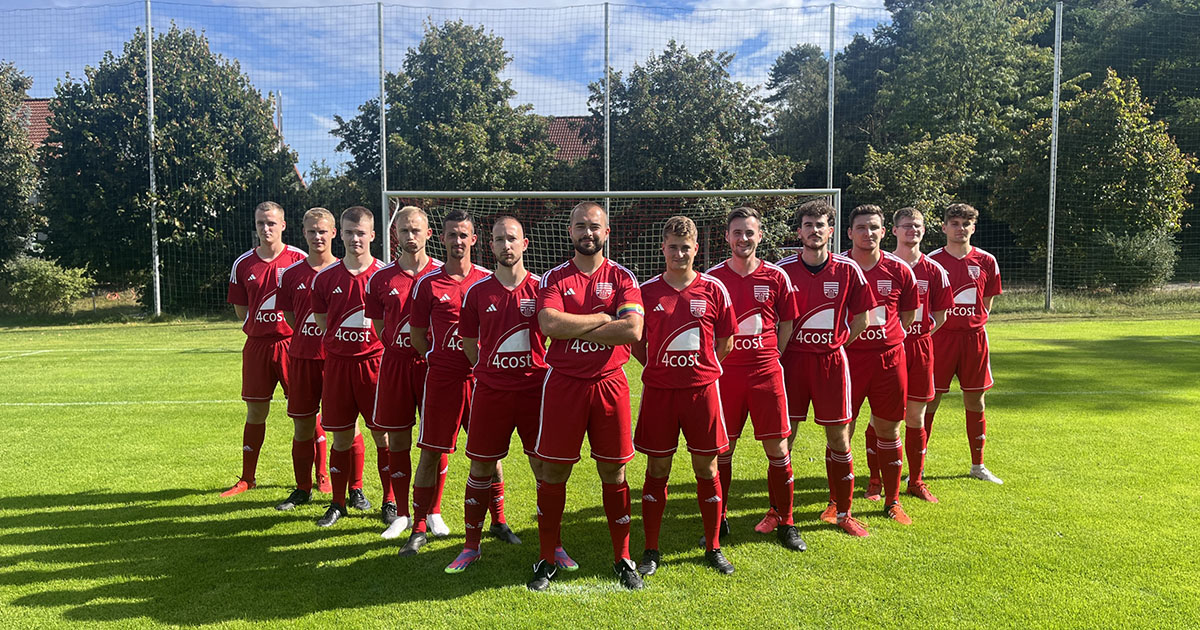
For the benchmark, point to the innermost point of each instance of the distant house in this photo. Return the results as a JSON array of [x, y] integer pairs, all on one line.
[[566, 132], [35, 115]]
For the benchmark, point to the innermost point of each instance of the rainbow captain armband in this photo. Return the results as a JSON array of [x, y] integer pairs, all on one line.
[[630, 307]]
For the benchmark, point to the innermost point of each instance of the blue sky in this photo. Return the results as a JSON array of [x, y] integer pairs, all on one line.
[[323, 58]]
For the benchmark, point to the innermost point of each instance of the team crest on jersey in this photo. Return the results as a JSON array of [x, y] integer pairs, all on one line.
[[973, 271], [831, 289], [884, 286], [528, 307], [762, 292], [922, 287], [604, 290], [698, 307]]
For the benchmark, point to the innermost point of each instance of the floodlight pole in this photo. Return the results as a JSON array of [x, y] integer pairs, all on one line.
[[837, 235], [154, 262], [1053, 156], [607, 145], [385, 207]]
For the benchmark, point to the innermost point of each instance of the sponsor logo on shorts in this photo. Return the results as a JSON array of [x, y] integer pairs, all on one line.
[[604, 290], [884, 286], [698, 307], [831, 289], [528, 306], [762, 292]]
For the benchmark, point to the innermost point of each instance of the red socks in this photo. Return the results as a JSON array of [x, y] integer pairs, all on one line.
[[779, 487], [383, 463], [914, 448], [829, 471], [440, 489], [475, 508], [654, 503], [725, 469], [872, 452], [252, 441], [977, 434], [890, 458], [422, 498], [303, 453], [339, 471], [551, 500], [399, 472], [496, 505], [841, 465], [319, 450], [708, 495], [356, 465], [928, 426], [616, 508]]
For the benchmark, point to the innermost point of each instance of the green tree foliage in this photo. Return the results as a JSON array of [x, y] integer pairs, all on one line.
[[36, 286], [217, 155], [799, 84], [1122, 185], [18, 173], [922, 174]]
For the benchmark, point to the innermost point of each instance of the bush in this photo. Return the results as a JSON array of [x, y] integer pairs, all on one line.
[[35, 286]]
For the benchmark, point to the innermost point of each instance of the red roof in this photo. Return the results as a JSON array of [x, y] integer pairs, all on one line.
[[566, 133], [35, 113]]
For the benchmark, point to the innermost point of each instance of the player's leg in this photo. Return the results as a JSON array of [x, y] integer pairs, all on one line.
[[304, 434], [388, 512], [977, 434], [891, 460], [396, 403], [400, 475], [658, 437], [475, 509], [781, 485], [975, 378], [609, 431], [424, 480], [918, 355], [699, 414], [841, 468], [449, 412], [654, 506], [340, 470], [864, 367], [708, 495]]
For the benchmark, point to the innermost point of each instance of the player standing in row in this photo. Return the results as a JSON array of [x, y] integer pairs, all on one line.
[[960, 347], [933, 288], [833, 300], [352, 355], [501, 339], [446, 404], [591, 309], [878, 368], [306, 357], [689, 327], [402, 370], [253, 284], [752, 383]]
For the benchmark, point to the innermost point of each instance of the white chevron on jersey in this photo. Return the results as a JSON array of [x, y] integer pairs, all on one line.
[[357, 319], [920, 316], [685, 341], [518, 341], [822, 320], [877, 316], [312, 319], [750, 325], [268, 304], [966, 296]]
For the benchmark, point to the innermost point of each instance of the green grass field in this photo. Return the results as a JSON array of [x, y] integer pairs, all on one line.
[[119, 438]]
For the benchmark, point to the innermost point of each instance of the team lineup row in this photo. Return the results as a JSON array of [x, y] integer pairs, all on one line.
[[467, 349]]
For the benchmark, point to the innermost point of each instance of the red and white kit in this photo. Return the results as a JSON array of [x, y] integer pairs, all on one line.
[[878, 369], [511, 367], [752, 383], [253, 283], [352, 349], [960, 346], [445, 407], [306, 353], [585, 390], [814, 362], [933, 288], [402, 370], [680, 378]]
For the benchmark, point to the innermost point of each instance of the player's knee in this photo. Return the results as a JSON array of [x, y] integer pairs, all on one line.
[[611, 472], [885, 429], [343, 440], [774, 448], [659, 467], [380, 438], [304, 429], [484, 469], [973, 401], [399, 441], [257, 412], [704, 466], [555, 473]]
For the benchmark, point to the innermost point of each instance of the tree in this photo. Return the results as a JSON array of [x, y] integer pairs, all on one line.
[[18, 173], [1122, 185], [217, 154], [799, 84], [920, 174]]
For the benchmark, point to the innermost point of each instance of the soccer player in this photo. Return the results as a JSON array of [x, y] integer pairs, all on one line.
[[253, 284], [402, 369], [933, 287], [878, 368], [445, 407], [501, 338], [689, 327], [352, 355], [833, 300], [960, 346], [306, 357], [752, 383], [591, 309]]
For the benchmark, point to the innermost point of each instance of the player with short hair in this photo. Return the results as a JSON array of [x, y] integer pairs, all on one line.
[[833, 300], [960, 346], [352, 355], [402, 370], [689, 327], [306, 357], [933, 287], [446, 404], [752, 382], [591, 309], [878, 367], [253, 285]]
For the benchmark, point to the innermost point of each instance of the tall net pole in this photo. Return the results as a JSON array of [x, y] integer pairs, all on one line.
[[837, 234], [1053, 156], [607, 92], [384, 208], [150, 163]]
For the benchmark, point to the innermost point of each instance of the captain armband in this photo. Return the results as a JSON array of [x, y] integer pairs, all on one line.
[[630, 307]]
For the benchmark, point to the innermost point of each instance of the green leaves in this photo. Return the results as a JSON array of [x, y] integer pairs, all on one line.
[[18, 175]]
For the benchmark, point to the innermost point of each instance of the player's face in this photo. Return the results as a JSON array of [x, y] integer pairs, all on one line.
[[680, 252], [909, 231], [357, 236], [958, 230], [589, 230], [508, 243], [814, 232], [270, 225], [413, 232], [866, 232], [743, 236], [458, 237], [319, 233]]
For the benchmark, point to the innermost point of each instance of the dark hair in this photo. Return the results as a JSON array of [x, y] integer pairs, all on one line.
[[907, 212], [507, 217], [457, 215], [816, 209], [357, 213], [963, 210], [865, 210], [742, 212]]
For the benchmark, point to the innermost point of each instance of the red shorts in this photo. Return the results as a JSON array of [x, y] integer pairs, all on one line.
[[696, 411], [304, 394], [445, 408], [264, 363], [881, 377], [963, 354], [494, 415], [348, 391], [918, 352], [574, 406], [822, 379], [756, 391], [398, 395]]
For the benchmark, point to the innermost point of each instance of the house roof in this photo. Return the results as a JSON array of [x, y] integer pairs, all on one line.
[[35, 113], [566, 133]]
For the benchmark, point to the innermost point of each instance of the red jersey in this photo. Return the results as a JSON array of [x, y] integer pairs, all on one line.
[[826, 301], [295, 295], [253, 283], [389, 298], [681, 331], [567, 289], [933, 286], [972, 278], [894, 287], [512, 349], [339, 294], [436, 303], [760, 300]]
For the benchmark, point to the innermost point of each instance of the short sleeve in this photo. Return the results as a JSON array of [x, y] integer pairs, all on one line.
[[317, 296], [860, 299], [237, 291], [628, 289], [941, 297], [786, 306], [549, 295], [726, 325], [283, 297], [373, 296], [993, 281], [910, 298], [468, 317], [422, 304]]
